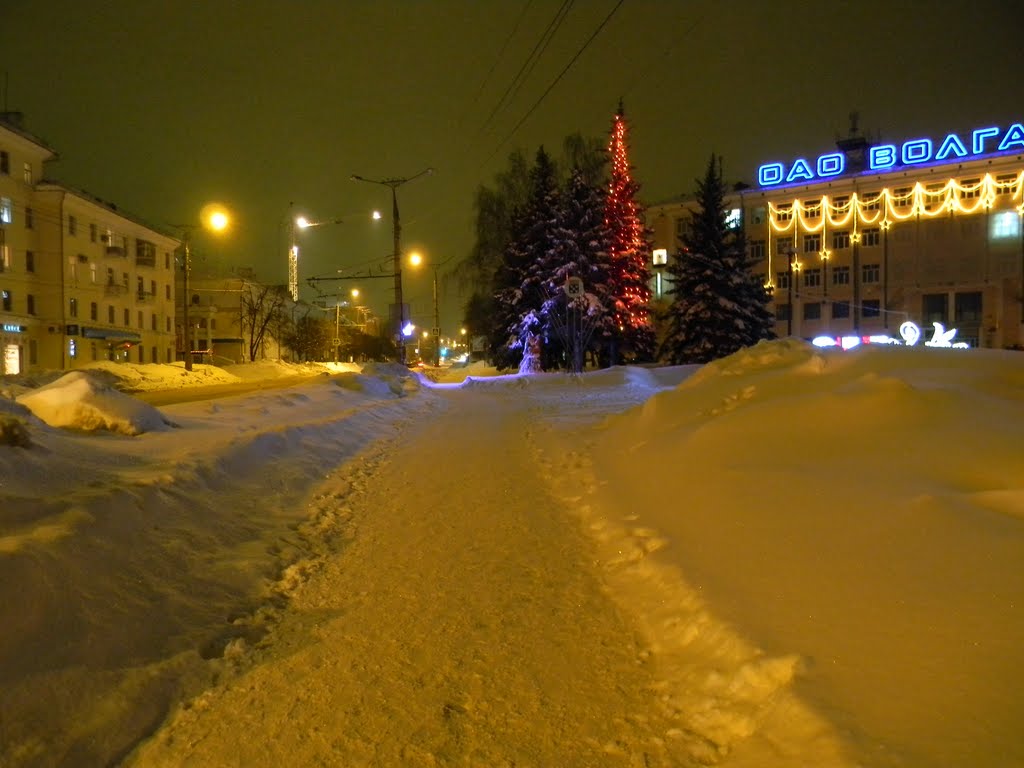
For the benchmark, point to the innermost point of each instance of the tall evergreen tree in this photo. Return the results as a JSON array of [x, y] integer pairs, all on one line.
[[630, 244], [719, 304], [518, 295], [574, 313]]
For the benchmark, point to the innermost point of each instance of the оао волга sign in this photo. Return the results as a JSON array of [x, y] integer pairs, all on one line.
[[980, 141]]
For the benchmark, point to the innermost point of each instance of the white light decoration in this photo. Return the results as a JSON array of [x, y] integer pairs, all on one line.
[[910, 334]]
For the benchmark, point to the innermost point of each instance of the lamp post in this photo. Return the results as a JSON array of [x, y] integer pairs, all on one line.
[[293, 248], [394, 184], [212, 217]]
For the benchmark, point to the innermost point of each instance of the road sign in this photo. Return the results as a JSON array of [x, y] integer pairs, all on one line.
[[573, 287]]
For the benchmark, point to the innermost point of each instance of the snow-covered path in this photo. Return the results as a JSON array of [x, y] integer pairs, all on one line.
[[459, 620]]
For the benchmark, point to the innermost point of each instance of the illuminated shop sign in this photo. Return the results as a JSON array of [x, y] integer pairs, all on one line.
[[910, 334], [881, 157], [11, 328]]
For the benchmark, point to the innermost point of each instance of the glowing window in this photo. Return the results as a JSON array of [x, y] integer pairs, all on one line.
[[733, 219], [1005, 224], [6, 210]]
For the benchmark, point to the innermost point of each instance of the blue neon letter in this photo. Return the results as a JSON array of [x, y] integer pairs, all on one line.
[[882, 156], [1014, 137], [800, 170], [917, 151], [770, 173], [979, 136], [831, 165], [951, 145]]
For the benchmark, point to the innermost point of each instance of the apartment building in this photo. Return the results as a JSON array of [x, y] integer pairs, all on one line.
[[80, 280], [860, 240]]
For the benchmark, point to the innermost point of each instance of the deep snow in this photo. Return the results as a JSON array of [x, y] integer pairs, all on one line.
[[791, 556]]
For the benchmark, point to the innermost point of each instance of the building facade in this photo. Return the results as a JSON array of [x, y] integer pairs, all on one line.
[[864, 239], [80, 281]]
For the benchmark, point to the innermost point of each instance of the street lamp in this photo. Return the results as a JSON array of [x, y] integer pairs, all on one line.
[[293, 249], [216, 219], [394, 184]]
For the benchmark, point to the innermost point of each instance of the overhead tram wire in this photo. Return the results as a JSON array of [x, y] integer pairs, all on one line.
[[497, 59], [530, 62], [555, 81]]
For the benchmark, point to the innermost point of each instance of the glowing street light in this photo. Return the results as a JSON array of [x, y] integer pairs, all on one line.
[[215, 218]]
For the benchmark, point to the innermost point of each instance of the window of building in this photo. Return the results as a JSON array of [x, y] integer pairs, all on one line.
[[110, 314], [1005, 183], [872, 308], [757, 217], [168, 324], [840, 310], [110, 275], [903, 197], [972, 189], [92, 233], [812, 278], [73, 348], [93, 269], [142, 354], [152, 354], [5, 163], [124, 281], [167, 291], [734, 219], [782, 311], [27, 173], [782, 280], [935, 308], [167, 261], [94, 311], [30, 220], [841, 239], [872, 201], [72, 307], [1005, 224], [152, 322], [967, 307], [784, 213], [72, 225], [812, 310], [7, 300], [142, 320], [5, 254], [840, 276], [213, 323], [812, 209], [870, 273], [30, 261], [870, 237], [140, 285], [758, 250], [127, 317], [682, 227], [202, 322], [6, 210], [812, 243]]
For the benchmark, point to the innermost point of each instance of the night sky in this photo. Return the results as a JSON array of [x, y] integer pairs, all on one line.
[[161, 107]]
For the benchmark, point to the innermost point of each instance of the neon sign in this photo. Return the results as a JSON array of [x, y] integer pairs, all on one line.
[[909, 332], [884, 156]]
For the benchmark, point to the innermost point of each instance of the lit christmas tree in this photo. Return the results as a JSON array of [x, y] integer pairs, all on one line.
[[630, 275]]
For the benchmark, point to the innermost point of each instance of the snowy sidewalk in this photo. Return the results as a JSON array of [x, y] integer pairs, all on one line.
[[443, 628]]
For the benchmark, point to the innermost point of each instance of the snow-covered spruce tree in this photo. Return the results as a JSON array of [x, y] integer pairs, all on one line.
[[572, 324], [630, 244], [719, 304], [518, 291]]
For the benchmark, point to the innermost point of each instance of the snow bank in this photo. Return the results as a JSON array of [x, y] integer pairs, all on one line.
[[82, 401]]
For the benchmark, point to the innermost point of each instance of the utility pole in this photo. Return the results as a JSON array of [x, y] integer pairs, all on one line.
[[437, 326], [394, 184], [186, 330]]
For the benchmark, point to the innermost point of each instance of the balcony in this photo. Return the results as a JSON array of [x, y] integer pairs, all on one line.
[[114, 289]]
